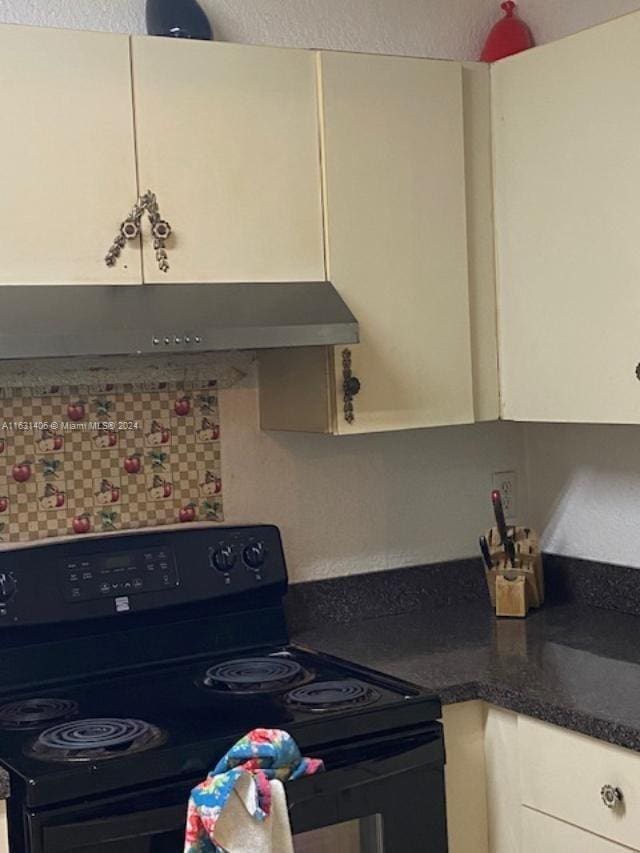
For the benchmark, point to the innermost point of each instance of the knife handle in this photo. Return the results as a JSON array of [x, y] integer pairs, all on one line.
[[486, 554], [498, 510]]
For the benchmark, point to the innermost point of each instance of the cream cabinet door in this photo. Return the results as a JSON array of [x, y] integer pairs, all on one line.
[[566, 120], [394, 181], [67, 156], [542, 833], [4, 829], [227, 138], [465, 775]]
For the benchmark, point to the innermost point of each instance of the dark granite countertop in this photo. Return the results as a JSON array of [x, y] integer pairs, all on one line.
[[570, 663], [573, 665]]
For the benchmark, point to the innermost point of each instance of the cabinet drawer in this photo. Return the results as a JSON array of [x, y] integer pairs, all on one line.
[[541, 832], [562, 774]]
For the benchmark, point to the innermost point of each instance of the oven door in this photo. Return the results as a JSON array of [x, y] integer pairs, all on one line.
[[381, 797], [377, 796]]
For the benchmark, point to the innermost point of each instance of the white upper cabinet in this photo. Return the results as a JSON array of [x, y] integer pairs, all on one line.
[[393, 148], [396, 242], [227, 138], [566, 121], [67, 156]]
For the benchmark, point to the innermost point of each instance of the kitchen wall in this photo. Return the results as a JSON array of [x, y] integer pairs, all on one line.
[[429, 28], [362, 503], [451, 29], [584, 489], [345, 505], [550, 19]]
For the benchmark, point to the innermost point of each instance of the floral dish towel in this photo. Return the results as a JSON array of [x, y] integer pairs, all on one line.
[[252, 770]]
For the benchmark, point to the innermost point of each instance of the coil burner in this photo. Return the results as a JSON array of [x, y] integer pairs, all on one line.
[[95, 739], [332, 696], [251, 676], [36, 713]]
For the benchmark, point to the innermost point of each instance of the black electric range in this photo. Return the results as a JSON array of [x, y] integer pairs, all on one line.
[[130, 663]]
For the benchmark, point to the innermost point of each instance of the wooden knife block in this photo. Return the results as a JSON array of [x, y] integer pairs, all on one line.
[[515, 589]]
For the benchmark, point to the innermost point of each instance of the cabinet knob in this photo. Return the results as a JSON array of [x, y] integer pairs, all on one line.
[[8, 588], [352, 386], [130, 229], [610, 796]]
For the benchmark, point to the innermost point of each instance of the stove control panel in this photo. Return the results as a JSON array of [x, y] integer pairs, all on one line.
[[98, 576], [123, 573]]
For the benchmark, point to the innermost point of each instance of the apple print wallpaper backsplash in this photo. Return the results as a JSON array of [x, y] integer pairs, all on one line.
[[95, 458]]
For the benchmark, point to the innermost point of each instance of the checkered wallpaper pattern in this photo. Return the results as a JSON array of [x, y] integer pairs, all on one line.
[[79, 459]]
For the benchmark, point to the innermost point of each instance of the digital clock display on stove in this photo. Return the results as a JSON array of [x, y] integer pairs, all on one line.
[[117, 561]]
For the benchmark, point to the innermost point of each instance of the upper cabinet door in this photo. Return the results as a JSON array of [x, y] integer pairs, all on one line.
[[228, 140], [393, 148], [567, 178], [67, 156]]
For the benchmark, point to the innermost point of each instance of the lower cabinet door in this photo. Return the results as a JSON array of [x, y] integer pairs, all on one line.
[[4, 832], [543, 833], [563, 774], [464, 727]]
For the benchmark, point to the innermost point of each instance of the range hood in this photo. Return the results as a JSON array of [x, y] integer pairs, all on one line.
[[44, 321]]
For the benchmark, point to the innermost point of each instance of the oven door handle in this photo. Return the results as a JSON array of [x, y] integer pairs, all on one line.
[[74, 836], [366, 772]]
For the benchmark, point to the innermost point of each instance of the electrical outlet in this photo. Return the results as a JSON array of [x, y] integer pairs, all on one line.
[[507, 484]]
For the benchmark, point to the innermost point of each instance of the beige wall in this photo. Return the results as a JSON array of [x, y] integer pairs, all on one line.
[[412, 27], [360, 503], [584, 489], [452, 29], [553, 19]]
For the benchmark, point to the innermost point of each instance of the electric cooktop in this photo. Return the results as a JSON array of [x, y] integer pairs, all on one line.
[[103, 691]]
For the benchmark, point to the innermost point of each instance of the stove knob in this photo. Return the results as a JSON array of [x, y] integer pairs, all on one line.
[[254, 555], [223, 558], [8, 587]]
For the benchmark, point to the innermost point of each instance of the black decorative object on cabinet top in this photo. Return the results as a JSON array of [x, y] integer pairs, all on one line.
[[178, 18]]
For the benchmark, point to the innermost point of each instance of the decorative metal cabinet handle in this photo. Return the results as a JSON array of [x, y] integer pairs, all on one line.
[[610, 796], [638, 371], [130, 229], [350, 386]]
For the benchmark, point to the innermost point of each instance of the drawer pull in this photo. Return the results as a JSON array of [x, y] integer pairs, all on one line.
[[610, 796]]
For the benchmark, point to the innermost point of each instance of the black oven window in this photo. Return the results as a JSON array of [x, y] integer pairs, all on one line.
[[354, 836], [167, 842]]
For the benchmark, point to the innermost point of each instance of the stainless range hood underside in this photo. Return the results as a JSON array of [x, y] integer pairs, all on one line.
[[48, 321]]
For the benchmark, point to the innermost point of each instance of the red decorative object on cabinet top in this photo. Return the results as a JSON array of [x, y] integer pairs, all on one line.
[[510, 35]]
